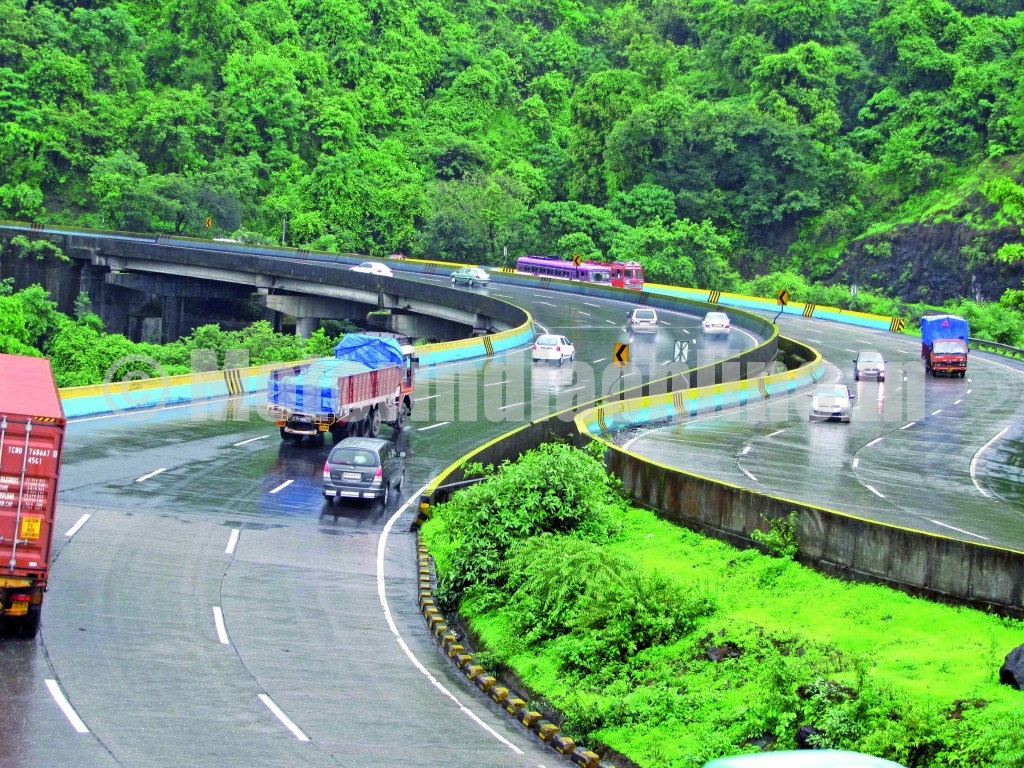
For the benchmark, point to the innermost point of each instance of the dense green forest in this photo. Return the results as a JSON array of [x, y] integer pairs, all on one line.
[[711, 139]]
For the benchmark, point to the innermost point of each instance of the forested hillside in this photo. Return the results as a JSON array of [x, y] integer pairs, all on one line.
[[708, 138]]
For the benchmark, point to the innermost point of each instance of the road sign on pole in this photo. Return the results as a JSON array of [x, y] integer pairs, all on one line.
[[680, 351], [576, 260], [621, 354], [209, 222], [783, 297]]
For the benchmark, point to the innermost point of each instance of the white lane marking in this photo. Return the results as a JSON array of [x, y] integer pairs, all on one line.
[[936, 413], [251, 440], [573, 389], [382, 545], [580, 311], [957, 402], [685, 331], [850, 350], [151, 474], [666, 322], [296, 731], [218, 622], [746, 450], [974, 462], [504, 295], [433, 426], [428, 397], [968, 392], [282, 486], [511, 405], [613, 322], [501, 383], [876, 441], [591, 305], [600, 360], [77, 526], [908, 426], [856, 461], [872, 489], [232, 541], [65, 707], [776, 432], [548, 303], [749, 475], [961, 530]]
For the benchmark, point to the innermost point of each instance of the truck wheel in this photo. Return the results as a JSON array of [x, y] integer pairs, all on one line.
[[373, 423], [284, 435], [962, 374], [403, 416], [30, 623]]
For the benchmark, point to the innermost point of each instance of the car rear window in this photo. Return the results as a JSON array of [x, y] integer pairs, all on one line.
[[643, 314], [355, 457], [547, 341]]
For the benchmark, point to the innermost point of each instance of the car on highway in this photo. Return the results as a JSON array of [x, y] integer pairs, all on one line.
[[804, 758], [374, 268], [642, 320], [363, 468], [471, 276], [869, 364], [831, 401], [716, 323], [551, 347]]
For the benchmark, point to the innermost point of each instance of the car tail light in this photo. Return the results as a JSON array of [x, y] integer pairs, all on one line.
[[378, 473], [20, 598], [558, 348], [327, 470], [534, 346]]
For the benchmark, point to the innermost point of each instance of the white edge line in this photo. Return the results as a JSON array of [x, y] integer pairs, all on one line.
[[936, 413], [511, 405], [876, 441], [432, 426], [908, 426], [77, 526], [151, 474], [272, 706], [251, 440], [749, 475], [232, 541], [600, 360], [974, 466], [282, 486], [777, 432], [65, 707], [961, 530], [382, 594], [874, 491], [746, 450], [218, 622], [856, 461]]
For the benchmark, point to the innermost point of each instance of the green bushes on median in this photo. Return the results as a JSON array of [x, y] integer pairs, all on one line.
[[673, 649]]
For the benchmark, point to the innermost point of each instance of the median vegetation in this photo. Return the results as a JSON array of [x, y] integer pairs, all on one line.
[[671, 648]]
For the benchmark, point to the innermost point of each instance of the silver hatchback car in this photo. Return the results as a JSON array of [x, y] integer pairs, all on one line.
[[831, 401], [869, 364], [363, 468]]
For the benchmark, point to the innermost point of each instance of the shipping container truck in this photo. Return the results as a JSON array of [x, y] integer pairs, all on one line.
[[368, 382], [944, 344], [31, 440]]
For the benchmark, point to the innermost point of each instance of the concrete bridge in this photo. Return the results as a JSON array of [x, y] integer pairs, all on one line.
[[137, 282]]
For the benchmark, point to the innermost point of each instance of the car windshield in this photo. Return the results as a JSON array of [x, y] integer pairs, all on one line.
[[948, 347], [354, 456], [831, 391], [547, 341]]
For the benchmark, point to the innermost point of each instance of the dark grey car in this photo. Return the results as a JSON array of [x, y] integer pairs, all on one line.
[[363, 468]]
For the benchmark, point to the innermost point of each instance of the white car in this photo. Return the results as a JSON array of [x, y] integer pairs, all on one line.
[[716, 322], [374, 268], [831, 401], [553, 348], [869, 364], [642, 320]]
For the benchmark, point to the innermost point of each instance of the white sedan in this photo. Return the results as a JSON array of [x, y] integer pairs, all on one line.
[[374, 268], [716, 322], [553, 348]]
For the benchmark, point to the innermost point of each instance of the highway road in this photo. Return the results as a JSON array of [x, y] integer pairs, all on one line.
[[942, 455], [207, 608]]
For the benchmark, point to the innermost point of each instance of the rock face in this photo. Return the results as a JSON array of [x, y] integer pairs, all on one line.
[[932, 262], [1012, 671]]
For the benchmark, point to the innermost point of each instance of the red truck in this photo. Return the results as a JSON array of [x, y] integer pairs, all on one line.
[[944, 344], [31, 440]]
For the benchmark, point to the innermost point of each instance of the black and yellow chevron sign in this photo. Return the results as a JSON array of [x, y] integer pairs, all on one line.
[[714, 296], [897, 325], [809, 310]]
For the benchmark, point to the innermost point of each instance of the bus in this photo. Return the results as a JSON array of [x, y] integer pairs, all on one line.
[[628, 274]]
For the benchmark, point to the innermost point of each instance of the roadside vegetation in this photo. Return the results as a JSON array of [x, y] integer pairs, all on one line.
[[671, 648]]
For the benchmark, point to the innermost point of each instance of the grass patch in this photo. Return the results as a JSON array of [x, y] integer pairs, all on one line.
[[672, 648]]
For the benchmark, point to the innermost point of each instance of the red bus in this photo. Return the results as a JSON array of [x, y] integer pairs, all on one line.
[[628, 274]]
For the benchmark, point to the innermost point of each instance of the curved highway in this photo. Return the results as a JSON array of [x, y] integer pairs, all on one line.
[[941, 455], [207, 608]]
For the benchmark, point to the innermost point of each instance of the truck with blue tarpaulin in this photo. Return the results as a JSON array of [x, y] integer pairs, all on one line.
[[368, 382], [944, 344]]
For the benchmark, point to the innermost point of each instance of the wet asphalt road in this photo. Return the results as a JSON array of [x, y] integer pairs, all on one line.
[[206, 607], [942, 455]]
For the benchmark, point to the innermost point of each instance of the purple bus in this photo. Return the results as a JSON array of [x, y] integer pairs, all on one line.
[[560, 269]]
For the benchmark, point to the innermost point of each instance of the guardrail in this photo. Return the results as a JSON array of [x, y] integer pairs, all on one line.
[[991, 346]]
